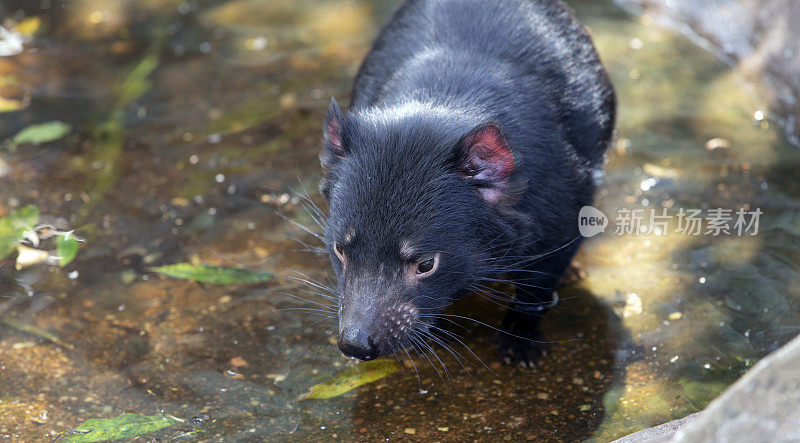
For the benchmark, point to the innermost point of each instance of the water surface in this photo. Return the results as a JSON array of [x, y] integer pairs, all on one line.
[[197, 126]]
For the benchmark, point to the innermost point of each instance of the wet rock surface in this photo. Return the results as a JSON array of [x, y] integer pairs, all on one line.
[[764, 403], [761, 37], [659, 433]]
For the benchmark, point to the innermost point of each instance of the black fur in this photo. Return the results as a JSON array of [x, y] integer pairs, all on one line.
[[397, 165]]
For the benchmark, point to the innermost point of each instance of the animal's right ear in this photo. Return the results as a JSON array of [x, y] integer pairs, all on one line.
[[333, 149], [487, 161]]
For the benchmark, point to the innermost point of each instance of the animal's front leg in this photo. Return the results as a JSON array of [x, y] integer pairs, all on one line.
[[521, 342]]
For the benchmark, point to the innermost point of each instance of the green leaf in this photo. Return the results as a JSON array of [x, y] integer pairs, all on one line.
[[136, 82], [66, 248], [124, 426], [353, 377], [14, 225], [212, 274], [41, 133]]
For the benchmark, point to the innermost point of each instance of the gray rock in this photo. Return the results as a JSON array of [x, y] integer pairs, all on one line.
[[761, 36], [763, 405], [658, 433]]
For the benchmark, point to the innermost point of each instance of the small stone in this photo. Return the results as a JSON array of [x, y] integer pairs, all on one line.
[[277, 378], [127, 276], [180, 201], [29, 256], [287, 101], [633, 305], [234, 375], [718, 143], [577, 381], [542, 396], [411, 431], [675, 316], [443, 429], [239, 362], [585, 407]]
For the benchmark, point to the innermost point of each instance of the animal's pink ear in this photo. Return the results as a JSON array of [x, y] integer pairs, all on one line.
[[333, 149], [332, 134], [488, 160]]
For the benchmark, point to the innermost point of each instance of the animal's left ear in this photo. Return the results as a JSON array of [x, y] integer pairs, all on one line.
[[487, 159], [333, 149]]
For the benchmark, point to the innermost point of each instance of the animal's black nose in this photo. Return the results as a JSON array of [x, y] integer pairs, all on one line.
[[357, 343]]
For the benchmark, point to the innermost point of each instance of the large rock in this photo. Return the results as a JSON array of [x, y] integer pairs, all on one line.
[[659, 433], [763, 405], [761, 36]]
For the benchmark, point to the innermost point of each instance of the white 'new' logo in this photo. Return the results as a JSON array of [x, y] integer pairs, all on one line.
[[591, 221]]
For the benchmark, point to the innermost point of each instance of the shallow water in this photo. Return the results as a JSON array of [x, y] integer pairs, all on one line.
[[197, 127]]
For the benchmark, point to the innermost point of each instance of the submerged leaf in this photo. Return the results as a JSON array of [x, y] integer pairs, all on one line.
[[212, 274], [124, 426], [13, 227], [21, 325], [353, 377], [41, 133], [136, 82], [29, 26], [67, 248]]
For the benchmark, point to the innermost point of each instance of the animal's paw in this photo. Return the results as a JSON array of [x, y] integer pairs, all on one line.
[[520, 351]]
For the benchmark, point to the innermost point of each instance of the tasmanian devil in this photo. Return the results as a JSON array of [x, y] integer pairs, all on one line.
[[471, 143]]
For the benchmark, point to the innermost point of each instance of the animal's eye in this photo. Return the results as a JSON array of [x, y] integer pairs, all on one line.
[[426, 267], [339, 250]]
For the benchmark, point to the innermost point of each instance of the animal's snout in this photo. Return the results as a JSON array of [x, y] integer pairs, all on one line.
[[400, 319], [368, 337], [358, 343]]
